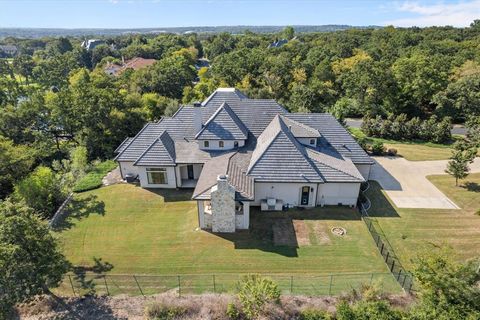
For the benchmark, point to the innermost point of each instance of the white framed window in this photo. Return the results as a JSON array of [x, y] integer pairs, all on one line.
[[221, 144], [206, 144], [312, 141], [157, 176]]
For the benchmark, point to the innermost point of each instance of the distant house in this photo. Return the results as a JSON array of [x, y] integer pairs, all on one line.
[[277, 43], [238, 152], [135, 64], [90, 44], [202, 63], [8, 50]]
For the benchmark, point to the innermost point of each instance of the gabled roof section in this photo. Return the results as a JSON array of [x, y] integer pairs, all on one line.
[[334, 135], [224, 124], [300, 130], [224, 94], [279, 157], [123, 145], [334, 168], [161, 152]]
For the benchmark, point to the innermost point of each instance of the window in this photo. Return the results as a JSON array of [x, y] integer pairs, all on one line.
[[206, 144], [235, 144], [312, 141], [220, 144], [157, 176]]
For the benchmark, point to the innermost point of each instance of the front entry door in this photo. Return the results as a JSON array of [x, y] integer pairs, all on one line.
[[305, 196], [190, 172]]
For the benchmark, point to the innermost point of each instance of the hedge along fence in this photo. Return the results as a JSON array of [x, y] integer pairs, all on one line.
[[93, 179], [60, 213]]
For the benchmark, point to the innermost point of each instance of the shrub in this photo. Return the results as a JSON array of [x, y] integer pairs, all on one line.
[[478, 212], [232, 311], [93, 179], [392, 152], [254, 292], [159, 311], [314, 314], [378, 148], [363, 142]]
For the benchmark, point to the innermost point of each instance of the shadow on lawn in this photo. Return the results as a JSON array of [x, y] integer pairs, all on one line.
[[95, 272], [381, 207], [172, 195], [80, 208], [471, 186], [275, 232]]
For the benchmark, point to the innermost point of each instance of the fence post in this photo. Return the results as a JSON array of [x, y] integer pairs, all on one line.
[[378, 240], [106, 286], [179, 287], [393, 265], [388, 255], [291, 284], [371, 279], [71, 283], [138, 285], [404, 279], [381, 250], [330, 287], [214, 284]]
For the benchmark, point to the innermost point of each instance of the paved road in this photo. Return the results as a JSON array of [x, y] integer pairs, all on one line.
[[406, 184], [457, 128]]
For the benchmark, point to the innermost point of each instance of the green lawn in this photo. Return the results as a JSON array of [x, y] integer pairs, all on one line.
[[411, 231], [413, 151], [144, 232]]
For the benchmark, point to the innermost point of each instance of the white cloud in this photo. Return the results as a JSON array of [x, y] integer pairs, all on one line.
[[458, 14], [113, 1]]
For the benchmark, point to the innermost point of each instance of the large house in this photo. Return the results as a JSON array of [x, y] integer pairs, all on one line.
[[239, 152]]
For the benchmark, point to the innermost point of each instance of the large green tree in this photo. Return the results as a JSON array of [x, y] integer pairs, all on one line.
[[30, 259]]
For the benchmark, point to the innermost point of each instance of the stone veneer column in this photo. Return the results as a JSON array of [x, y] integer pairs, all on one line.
[[223, 206]]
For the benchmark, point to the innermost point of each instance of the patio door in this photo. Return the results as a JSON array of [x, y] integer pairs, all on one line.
[[305, 196], [190, 172]]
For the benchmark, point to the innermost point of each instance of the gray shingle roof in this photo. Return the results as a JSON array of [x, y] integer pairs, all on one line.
[[211, 170], [334, 168], [279, 157], [300, 130], [255, 114], [160, 153], [123, 145], [223, 125], [333, 134]]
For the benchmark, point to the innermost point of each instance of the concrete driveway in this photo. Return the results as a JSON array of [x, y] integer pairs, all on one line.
[[406, 184]]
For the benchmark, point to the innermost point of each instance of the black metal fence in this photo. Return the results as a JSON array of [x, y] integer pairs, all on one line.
[[403, 277], [113, 284]]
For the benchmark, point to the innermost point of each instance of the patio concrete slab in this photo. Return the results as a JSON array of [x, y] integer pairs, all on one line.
[[406, 184]]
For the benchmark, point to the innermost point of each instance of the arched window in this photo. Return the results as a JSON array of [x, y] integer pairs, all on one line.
[[235, 144], [220, 144], [206, 144]]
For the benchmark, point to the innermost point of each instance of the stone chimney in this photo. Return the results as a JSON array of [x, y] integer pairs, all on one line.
[[223, 205]]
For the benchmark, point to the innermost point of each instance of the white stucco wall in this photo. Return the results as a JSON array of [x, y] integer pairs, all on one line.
[[331, 194], [127, 167], [142, 174], [290, 193], [306, 141], [213, 144], [364, 170]]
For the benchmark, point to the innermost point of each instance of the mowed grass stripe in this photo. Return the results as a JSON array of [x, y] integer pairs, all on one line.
[[155, 232]]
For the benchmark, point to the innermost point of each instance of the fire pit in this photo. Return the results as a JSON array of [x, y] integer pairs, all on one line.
[[339, 231]]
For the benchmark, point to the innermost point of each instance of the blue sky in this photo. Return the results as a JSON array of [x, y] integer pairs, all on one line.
[[175, 13]]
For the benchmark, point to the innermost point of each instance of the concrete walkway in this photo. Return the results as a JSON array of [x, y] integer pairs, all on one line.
[[406, 184]]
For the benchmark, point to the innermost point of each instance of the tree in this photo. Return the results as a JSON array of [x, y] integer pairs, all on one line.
[[288, 32], [448, 290], [41, 190], [462, 155], [30, 260], [473, 133], [15, 162], [23, 65]]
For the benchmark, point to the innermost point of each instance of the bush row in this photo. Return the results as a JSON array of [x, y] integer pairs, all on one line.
[[400, 128], [93, 179]]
